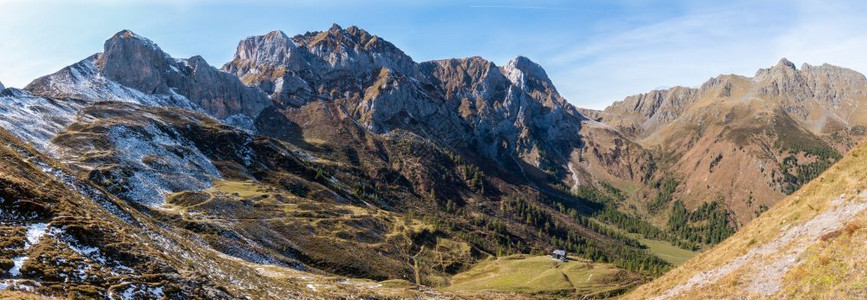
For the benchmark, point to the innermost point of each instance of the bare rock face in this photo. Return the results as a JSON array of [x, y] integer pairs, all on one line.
[[2, 87], [219, 93], [517, 105], [529, 76], [134, 69], [136, 62], [505, 113], [477, 93], [355, 51], [642, 113], [837, 91], [276, 65], [297, 70], [832, 85], [396, 101]]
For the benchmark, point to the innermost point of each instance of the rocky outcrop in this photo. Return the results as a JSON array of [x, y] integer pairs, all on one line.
[[836, 91], [505, 113], [356, 52], [530, 77], [134, 69], [516, 104], [306, 67], [643, 113], [275, 64]]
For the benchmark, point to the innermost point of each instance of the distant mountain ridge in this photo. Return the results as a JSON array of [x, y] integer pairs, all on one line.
[[769, 134]]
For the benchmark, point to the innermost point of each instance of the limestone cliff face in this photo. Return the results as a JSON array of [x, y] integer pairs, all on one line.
[[511, 115], [641, 113], [276, 65], [516, 104], [133, 68], [306, 67], [505, 113], [355, 51]]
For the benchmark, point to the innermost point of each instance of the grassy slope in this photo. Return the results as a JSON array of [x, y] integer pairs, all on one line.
[[665, 250], [814, 238], [169, 258], [541, 274]]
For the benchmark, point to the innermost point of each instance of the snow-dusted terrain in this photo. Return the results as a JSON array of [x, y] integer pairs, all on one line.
[[163, 162]]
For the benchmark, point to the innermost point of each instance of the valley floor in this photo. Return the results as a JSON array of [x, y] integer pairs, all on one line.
[[542, 275]]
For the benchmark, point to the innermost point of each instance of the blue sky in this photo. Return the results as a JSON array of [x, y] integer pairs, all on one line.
[[596, 52]]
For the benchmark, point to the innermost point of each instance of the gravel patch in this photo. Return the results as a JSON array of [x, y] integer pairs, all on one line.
[[767, 273]]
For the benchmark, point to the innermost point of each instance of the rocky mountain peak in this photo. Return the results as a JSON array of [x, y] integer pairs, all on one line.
[[829, 85], [470, 68], [471, 77], [352, 35], [291, 70], [127, 35], [521, 69], [532, 78], [783, 70], [356, 50], [136, 62], [134, 69], [274, 48], [655, 107], [785, 63], [2, 87], [276, 34], [335, 28]]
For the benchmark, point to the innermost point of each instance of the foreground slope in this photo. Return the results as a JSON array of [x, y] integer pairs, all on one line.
[[65, 236], [810, 245]]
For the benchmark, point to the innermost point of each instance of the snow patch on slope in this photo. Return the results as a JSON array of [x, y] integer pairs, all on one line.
[[161, 162], [83, 81], [140, 291], [77, 185], [35, 119], [17, 262], [35, 232]]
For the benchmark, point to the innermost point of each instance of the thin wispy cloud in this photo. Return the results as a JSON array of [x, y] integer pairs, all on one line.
[[515, 7]]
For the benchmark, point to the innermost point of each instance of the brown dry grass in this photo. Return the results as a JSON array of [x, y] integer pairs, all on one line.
[[848, 177]]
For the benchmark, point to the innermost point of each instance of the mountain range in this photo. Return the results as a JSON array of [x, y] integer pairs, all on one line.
[[332, 164]]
